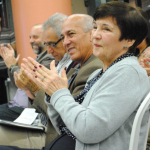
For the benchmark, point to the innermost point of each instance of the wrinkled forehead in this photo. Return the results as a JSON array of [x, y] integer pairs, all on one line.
[[50, 35], [72, 24]]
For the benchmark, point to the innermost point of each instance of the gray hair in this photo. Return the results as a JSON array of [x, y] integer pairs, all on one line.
[[55, 22], [87, 23]]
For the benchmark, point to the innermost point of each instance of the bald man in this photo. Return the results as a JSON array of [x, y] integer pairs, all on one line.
[[12, 109]]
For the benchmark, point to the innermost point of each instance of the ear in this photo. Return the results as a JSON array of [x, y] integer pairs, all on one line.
[[90, 32], [130, 42]]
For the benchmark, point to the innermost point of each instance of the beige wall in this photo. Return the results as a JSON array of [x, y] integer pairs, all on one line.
[[78, 7], [26, 13]]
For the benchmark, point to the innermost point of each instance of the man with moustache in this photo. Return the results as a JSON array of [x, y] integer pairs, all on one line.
[[76, 34], [12, 109]]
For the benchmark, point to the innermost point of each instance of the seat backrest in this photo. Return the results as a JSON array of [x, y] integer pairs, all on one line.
[[10, 89], [137, 124]]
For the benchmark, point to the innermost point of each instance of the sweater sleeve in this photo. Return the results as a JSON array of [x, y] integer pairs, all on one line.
[[11, 73], [54, 116], [108, 105]]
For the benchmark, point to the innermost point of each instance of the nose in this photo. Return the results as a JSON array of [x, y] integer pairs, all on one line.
[[31, 40], [96, 35], [50, 50], [66, 41]]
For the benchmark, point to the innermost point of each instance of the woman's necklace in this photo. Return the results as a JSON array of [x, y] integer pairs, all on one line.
[[79, 98]]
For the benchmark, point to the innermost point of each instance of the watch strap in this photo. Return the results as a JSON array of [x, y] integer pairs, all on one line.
[[11, 67]]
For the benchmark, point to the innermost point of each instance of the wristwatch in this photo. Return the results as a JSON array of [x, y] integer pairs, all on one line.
[[11, 67]]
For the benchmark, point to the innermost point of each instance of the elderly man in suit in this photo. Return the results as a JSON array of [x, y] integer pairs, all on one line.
[[75, 37]]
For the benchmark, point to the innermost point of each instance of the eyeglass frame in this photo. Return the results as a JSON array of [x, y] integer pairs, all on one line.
[[53, 44]]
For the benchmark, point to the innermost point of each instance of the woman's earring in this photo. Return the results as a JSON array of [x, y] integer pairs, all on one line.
[[125, 47]]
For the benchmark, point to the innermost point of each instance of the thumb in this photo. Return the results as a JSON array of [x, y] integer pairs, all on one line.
[[17, 59], [52, 66], [9, 46], [63, 73]]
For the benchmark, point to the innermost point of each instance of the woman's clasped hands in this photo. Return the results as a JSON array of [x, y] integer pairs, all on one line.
[[46, 79]]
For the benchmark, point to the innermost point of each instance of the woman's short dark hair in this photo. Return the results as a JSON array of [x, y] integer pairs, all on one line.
[[131, 23]]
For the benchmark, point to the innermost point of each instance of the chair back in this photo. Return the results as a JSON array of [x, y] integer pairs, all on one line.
[[137, 124]]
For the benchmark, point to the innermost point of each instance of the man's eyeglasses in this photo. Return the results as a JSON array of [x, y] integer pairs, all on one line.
[[53, 44]]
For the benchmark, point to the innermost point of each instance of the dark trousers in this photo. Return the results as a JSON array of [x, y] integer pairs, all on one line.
[[11, 113], [13, 148], [3, 77], [62, 142]]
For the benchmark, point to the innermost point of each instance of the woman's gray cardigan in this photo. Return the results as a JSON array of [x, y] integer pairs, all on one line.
[[104, 120]]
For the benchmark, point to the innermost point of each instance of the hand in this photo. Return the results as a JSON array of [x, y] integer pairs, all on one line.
[[8, 54], [145, 63], [145, 54], [23, 82], [30, 95], [46, 79]]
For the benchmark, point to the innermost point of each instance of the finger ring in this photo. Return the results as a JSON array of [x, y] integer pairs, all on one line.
[[43, 78], [6, 54], [22, 77], [147, 62]]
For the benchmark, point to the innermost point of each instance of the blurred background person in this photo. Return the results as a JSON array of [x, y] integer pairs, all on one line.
[[143, 47], [144, 54]]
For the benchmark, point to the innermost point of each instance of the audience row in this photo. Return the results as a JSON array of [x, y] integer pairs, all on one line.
[[86, 82]]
